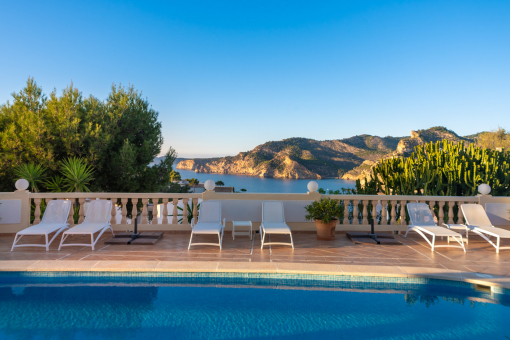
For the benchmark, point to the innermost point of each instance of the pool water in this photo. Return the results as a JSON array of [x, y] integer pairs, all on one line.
[[53, 306]]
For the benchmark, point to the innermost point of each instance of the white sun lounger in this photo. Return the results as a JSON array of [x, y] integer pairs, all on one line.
[[478, 222], [54, 221], [209, 223], [273, 222], [423, 223], [97, 219]]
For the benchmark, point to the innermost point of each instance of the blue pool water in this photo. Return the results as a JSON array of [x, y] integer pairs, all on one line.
[[268, 185], [230, 306]]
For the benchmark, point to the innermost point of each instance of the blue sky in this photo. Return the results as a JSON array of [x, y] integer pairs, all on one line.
[[226, 76]]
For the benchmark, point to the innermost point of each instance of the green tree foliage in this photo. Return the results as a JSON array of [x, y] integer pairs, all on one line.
[[219, 183], [118, 137], [192, 181], [24, 135], [442, 169], [175, 176]]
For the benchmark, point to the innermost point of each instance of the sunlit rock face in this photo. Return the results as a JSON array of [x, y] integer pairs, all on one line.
[[348, 158]]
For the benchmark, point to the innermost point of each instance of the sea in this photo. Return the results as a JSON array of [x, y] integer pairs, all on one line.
[[267, 185]]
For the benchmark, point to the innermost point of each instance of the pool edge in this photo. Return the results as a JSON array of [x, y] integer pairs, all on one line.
[[255, 267]]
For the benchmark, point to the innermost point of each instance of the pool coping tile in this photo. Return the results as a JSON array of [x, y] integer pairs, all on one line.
[[52, 265], [16, 265]]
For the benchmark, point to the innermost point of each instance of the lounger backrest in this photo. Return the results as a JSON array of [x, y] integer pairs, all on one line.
[[475, 215], [57, 212], [99, 211], [420, 214], [210, 212], [272, 212]]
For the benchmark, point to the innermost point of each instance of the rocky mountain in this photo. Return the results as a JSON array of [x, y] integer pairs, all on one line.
[[348, 158]]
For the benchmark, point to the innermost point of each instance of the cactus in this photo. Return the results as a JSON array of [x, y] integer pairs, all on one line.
[[442, 168]]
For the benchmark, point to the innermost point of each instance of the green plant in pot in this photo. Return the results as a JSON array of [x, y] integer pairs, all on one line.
[[325, 213]]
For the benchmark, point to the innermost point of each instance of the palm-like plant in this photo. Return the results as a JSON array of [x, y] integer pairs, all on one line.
[[189, 215], [77, 174], [34, 174], [56, 184]]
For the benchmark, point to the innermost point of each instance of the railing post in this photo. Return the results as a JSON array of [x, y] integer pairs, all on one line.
[[403, 206], [384, 212], [113, 220], [450, 212], [70, 218], [81, 212], [195, 209], [441, 213], [123, 213], [175, 201], [134, 210], [364, 211], [145, 217], [37, 212], [184, 211], [165, 211], [393, 213], [431, 206], [155, 211], [346, 213]]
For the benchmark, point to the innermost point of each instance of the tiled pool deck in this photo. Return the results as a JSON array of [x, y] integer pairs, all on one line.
[[480, 264]]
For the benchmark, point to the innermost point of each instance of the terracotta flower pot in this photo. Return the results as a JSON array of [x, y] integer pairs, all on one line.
[[325, 231]]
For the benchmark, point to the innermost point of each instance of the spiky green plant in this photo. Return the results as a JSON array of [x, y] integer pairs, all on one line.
[[56, 184], [443, 169], [34, 174], [190, 213], [77, 174]]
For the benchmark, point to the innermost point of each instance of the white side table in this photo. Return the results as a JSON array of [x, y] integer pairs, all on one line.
[[460, 228], [241, 224]]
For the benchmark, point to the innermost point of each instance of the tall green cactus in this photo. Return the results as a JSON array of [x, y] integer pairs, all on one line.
[[443, 168]]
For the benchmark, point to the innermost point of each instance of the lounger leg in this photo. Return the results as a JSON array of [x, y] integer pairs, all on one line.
[[291, 241], [56, 234], [16, 239], [407, 231], [64, 237], [47, 244], [191, 238], [433, 241], [233, 231], [219, 240], [262, 239], [497, 248], [92, 241]]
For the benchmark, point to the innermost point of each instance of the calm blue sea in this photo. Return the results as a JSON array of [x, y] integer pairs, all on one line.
[[270, 185]]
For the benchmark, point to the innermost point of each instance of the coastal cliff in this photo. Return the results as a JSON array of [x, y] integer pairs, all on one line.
[[349, 158]]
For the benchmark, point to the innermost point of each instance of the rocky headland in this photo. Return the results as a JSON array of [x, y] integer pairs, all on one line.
[[348, 158]]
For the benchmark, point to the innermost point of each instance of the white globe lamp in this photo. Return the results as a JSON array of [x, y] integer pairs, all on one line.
[[21, 184], [209, 185], [484, 189], [312, 186]]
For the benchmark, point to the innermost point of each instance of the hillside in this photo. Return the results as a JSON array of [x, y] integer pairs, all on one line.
[[307, 158]]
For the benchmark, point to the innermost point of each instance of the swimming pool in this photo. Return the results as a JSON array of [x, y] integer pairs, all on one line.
[[245, 306]]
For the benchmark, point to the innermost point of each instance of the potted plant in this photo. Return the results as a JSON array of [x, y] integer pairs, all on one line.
[[325, 213]]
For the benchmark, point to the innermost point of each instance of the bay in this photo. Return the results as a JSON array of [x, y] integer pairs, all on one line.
[[267, 185]]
